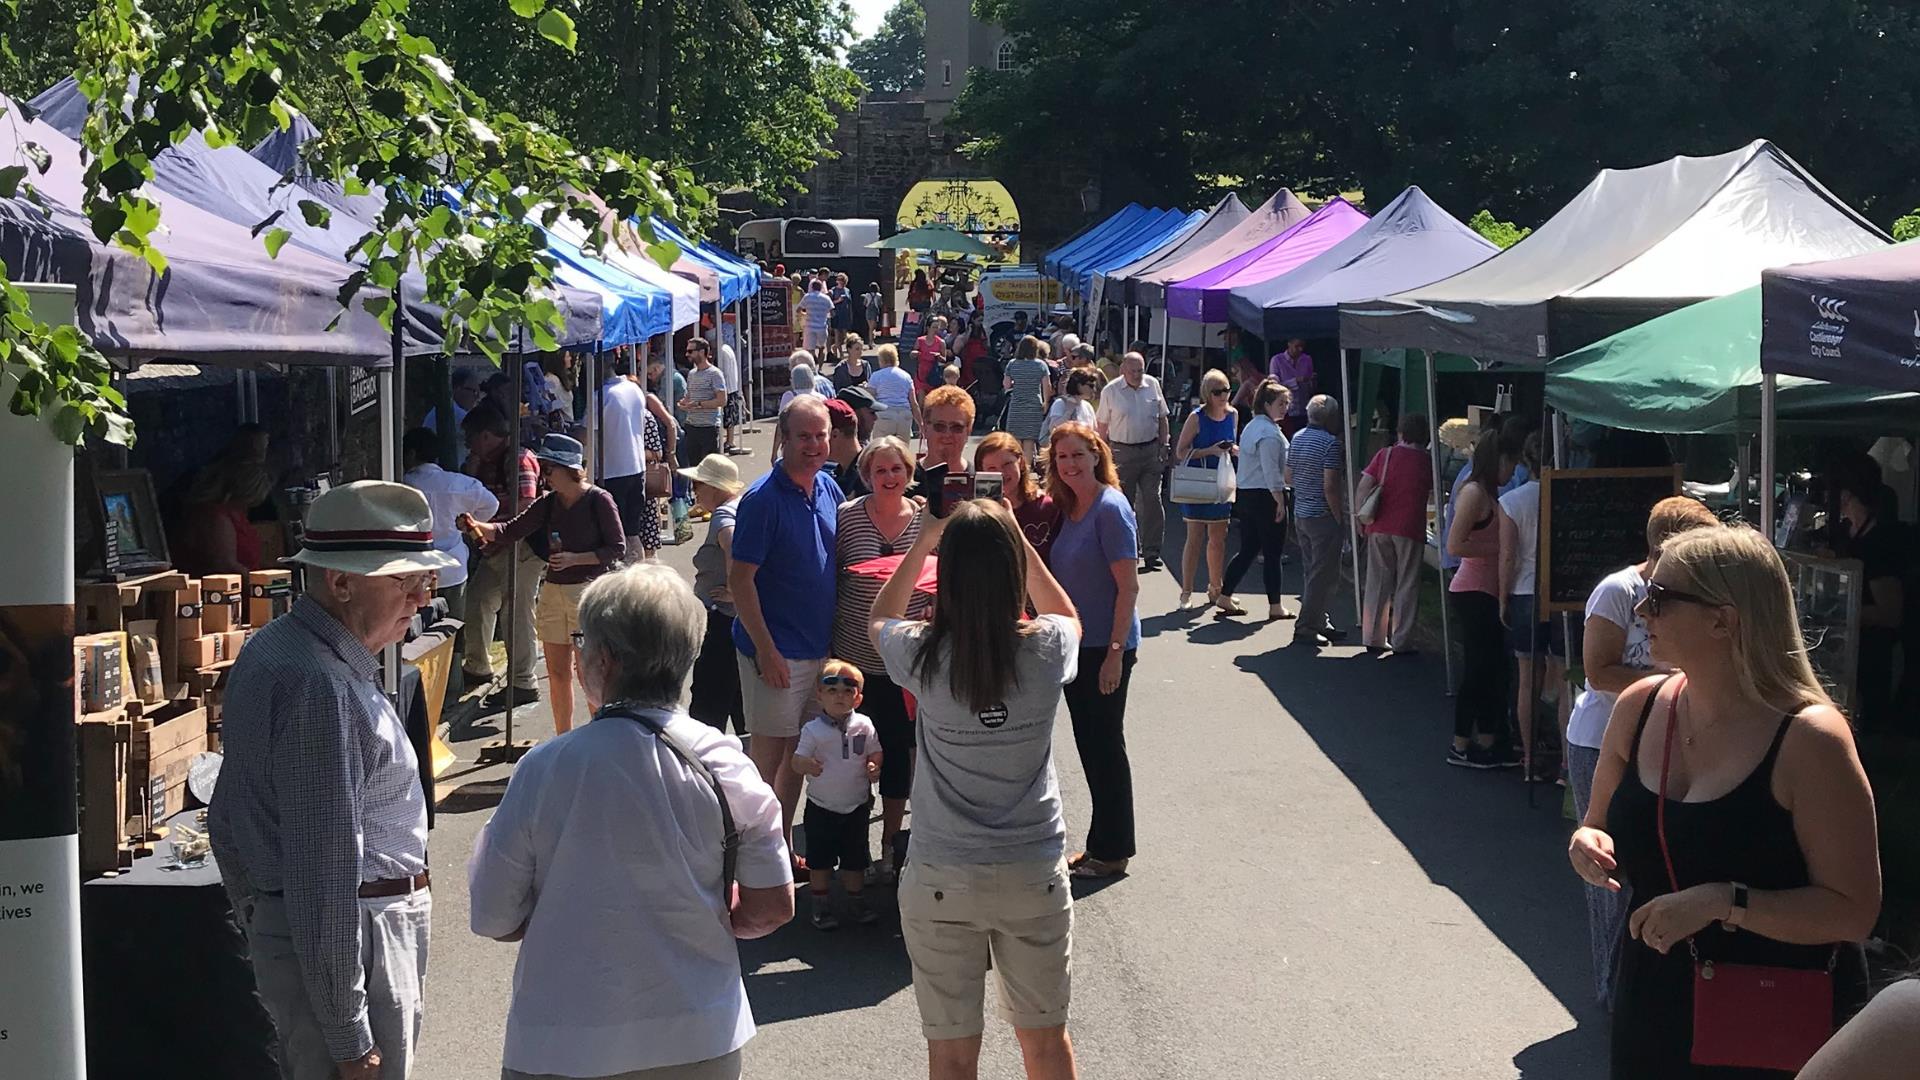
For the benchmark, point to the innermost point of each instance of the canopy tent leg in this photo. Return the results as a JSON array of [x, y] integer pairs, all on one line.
[[333, 418], [1433, 449], [506, 749], [1166, 333], [1769, 453], [1353, 483], [590, 374], [384, 387]]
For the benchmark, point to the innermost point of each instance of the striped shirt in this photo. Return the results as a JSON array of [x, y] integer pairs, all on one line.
[[858, 540], [1313, 451], [319, 791]]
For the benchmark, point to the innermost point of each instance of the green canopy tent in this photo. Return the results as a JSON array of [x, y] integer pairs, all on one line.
[[939, 239], [1696, 371]]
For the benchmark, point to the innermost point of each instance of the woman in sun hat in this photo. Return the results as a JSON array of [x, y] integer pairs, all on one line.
[[577, 527], [716, 673]]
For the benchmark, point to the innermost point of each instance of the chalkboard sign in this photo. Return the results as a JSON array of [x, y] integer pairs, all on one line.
[[1593, 522]]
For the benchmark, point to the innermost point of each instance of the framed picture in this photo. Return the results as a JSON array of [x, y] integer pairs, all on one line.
[[130, 522]]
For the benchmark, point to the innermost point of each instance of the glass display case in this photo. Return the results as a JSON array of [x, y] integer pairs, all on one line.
[[1827, 593]]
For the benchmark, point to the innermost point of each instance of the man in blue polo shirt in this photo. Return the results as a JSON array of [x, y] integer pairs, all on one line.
[[782, 580]]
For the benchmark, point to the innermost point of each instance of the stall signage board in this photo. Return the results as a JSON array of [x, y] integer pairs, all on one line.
[[363, 390], [775, 340], [1592, 523], [806, 237]]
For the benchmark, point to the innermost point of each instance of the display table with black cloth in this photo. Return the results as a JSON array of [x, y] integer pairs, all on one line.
[[169, 991]]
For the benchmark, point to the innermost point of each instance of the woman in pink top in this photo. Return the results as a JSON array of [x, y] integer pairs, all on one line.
[[1480, 704], [1395, 539]]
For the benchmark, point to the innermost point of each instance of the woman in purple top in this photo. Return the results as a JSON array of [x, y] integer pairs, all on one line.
[[1293, 369], [1095, 557], [577, 526]]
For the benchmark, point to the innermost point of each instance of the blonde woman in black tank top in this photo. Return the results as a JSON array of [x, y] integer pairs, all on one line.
[[1769, 819]]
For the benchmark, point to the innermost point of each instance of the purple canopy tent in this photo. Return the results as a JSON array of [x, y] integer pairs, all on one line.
[[1204, 297], [1275, 216]]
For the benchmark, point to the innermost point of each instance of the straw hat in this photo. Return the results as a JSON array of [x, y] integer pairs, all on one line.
[[716, 470], [371, 527]]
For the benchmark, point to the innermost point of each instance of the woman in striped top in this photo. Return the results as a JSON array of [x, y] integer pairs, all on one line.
[[1029, 384], [872, 527]]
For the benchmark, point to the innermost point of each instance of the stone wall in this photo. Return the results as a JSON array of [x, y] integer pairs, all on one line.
[[884, 147]]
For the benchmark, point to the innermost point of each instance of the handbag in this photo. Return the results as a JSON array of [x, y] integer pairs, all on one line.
[[659, 480], [1201, 485], [1370, 506], [1749, 1016]]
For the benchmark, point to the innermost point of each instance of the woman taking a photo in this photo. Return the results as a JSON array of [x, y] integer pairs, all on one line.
[[874, 526], [716, 674], [987, 883], [1480, 704], [1073, 406], [1731, 800], [1260, 504], [1028, 385], [1032, 508], [1096, 556], [578, 527], [1208, 438]]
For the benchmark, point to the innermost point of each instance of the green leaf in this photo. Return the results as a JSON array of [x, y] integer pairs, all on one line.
[[276, 239], [316, 214], [527, 9], [666, 254], [69, 426], [557, 26], [10, 177], [156, 259]]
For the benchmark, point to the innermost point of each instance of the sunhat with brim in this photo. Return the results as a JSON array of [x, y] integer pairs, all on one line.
[[560, 450], [716, 470], [371, 527]]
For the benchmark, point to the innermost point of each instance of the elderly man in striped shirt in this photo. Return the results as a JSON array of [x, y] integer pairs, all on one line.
[[319, 822]]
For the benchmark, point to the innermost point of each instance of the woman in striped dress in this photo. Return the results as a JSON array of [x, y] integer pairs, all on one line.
[[872, 527], [1029, 384]]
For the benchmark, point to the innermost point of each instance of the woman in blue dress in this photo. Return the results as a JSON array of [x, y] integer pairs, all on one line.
[[1209, 438]]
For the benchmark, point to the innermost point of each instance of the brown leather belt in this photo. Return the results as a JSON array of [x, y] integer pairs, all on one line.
[[393, 886]]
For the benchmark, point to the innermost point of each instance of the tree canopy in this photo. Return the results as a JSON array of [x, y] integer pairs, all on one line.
[[1484, 103], [894, 58]]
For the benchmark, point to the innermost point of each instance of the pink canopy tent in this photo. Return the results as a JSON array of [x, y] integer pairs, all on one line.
[[1205, 297], [1275, 216]]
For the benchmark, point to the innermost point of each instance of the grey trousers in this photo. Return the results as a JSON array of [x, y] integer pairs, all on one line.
[[1606, 911], [726, 1067], [1392, 596], [486, 597], [394, 931], [1319, 539], [1142, 469]]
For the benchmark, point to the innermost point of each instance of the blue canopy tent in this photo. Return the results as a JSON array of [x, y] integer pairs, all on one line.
[[632, 310], [1123, 219], [229, 183], [738, 280], [1148, 235], [1226, 215]]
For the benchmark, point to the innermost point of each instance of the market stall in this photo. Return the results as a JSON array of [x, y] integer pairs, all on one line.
[[1121, 283], [1204, 297]]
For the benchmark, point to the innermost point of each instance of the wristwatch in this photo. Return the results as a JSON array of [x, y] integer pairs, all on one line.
[[1737, 911], [1116, 646]]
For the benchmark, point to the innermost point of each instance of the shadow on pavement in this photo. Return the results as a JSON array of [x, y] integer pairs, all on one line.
[[1386, 726], [798, 971]]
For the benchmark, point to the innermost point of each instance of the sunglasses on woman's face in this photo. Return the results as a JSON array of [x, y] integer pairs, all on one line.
[[847, 681], [1219, 390], [1659, 595]]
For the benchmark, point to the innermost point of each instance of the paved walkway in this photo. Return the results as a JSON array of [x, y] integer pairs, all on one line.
[[1317, 896]]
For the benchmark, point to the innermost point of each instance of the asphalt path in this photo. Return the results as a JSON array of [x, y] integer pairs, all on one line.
[[1317, 894]]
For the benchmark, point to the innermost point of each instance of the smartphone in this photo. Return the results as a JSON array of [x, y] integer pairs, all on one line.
[[954, 490], [988, 486]]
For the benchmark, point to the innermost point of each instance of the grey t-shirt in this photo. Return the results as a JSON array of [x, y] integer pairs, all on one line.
[[704, 384], [710, 563], [983, 787]]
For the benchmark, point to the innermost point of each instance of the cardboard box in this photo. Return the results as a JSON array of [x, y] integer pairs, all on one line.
[[201, 650], [269, 595], [235, 639], [222, 596], [104, 677]]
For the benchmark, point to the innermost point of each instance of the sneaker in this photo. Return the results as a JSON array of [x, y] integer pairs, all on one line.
[[1460, 758], [1332, 634], [1474, 756], [739, 451], [823, 916], [1501, 757], [1150, 564], [861, 911]]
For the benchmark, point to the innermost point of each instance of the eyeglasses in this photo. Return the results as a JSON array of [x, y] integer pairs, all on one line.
[[1658, 594], [847, 681], [946, 427], [1219, 390], [412, 583]]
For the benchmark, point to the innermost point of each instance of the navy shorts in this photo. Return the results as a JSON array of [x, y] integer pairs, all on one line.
[[1526, 634], [837, 839]]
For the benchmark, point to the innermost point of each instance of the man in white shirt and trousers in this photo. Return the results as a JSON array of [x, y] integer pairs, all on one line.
[[449, 494], [623, 451], [1133, 419]]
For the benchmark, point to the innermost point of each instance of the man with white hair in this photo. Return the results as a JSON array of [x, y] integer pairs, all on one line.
[[1132, 417], [1315, 470], [614, 857], [319, 823]]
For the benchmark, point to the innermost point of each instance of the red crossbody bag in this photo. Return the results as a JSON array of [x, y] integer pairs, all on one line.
[[1749, 1016]]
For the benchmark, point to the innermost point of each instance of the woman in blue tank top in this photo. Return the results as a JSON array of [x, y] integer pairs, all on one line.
[[1209, 438]]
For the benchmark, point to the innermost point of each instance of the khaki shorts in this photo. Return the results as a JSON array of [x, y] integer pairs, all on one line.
[[958, 921], [780, 713], [556, 615]]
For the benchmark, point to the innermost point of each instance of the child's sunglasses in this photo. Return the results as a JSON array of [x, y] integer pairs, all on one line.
[[847, 681]]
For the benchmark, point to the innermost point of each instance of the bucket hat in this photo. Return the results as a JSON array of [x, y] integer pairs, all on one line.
[[372, 527], [716, 470], [560, 450]]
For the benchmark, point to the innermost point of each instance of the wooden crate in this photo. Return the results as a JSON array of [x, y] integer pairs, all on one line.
[[102, 742], [170, 747]]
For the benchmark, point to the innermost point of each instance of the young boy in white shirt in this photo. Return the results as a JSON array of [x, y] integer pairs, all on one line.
[[839, 753]]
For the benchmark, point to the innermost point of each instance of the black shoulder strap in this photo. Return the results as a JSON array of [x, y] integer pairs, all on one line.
[[1646, 710], [730, 846]]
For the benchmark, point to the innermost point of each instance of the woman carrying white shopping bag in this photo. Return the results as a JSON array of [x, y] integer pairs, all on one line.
[[1204, 486]]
